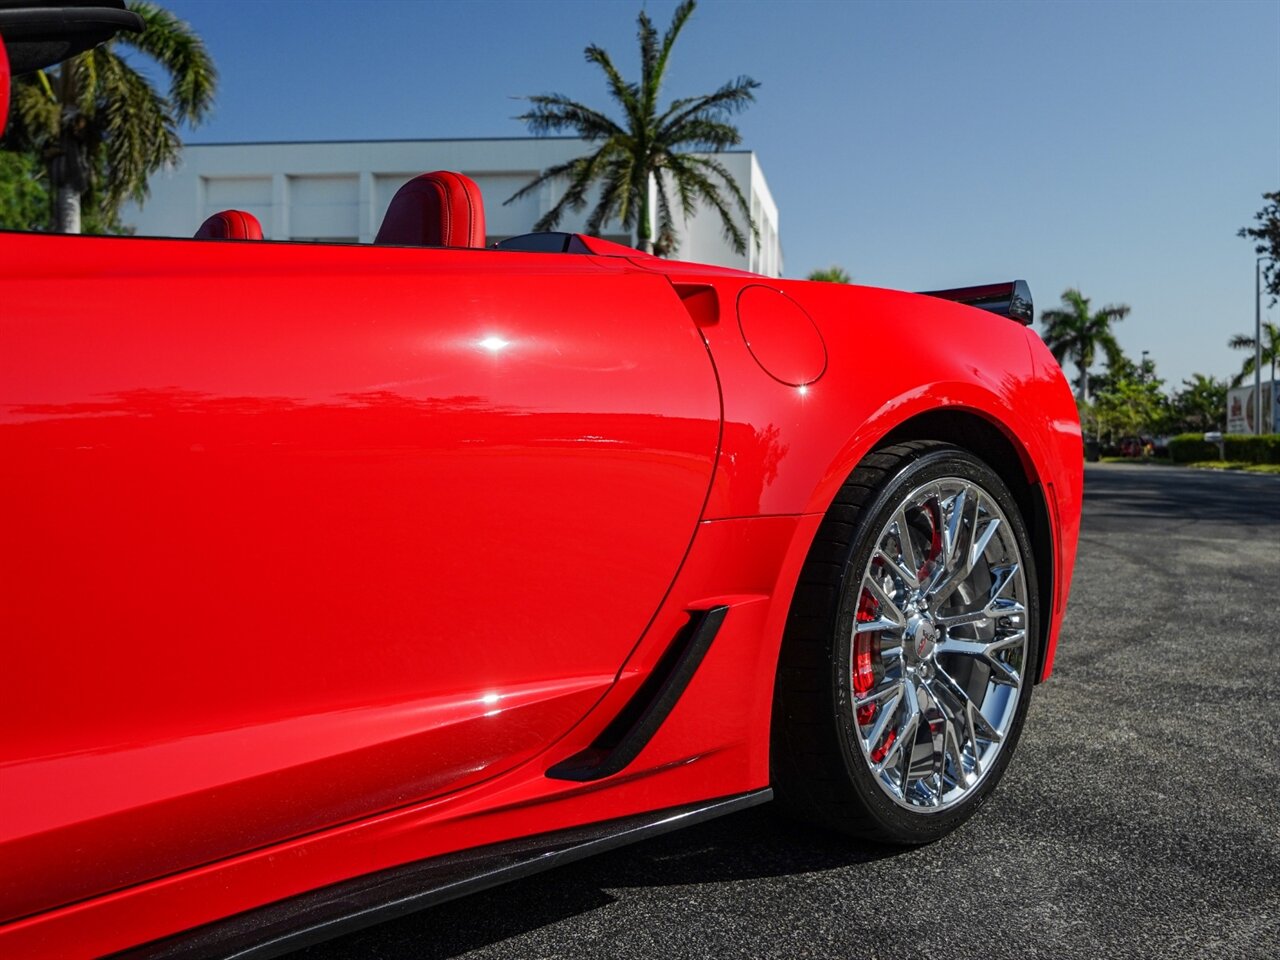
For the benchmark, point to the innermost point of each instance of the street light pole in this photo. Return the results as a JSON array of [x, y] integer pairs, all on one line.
[[1257, 345]]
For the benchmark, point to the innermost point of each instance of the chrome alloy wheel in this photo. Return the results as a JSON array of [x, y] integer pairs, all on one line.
[[939, 645]]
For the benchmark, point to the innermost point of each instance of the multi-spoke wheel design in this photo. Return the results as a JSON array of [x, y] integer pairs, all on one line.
[[908, 661], [939, 643]]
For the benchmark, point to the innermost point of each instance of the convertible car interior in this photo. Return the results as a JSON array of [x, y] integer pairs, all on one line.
[[438, 209]]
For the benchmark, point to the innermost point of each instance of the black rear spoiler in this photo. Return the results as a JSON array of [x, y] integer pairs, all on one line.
[[1012, 299]]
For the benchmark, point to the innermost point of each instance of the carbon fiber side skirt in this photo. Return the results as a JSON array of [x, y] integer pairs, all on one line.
[[320, 915]]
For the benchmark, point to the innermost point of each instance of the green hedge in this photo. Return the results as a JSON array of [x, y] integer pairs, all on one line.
[[1191, 447]]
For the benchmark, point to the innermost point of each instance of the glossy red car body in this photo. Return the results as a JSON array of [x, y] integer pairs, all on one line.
[[317, 558]]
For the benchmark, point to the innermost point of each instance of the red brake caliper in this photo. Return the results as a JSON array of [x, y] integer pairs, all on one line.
[[866, 650], [866, 657]]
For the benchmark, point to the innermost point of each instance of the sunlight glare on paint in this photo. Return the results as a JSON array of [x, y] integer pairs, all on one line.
[[494, 343]]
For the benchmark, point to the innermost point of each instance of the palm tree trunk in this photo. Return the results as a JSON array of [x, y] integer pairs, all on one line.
[[644, 228], [66, 172], [644, 234], [66, 211]]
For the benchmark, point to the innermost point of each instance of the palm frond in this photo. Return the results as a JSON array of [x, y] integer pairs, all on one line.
[[553, 112], [701, 173], [653, 79], [581, 172], [566, 169], [81, 74], [1246, 371], [1110, 348], [731, 98], [649, 79], [36, 109], [628, 190], [677, 167], [625, 93], [1055, 317], [1270, 351], [172, 43], [610, 170], [615, 201], [140, 130], [729, 226], [1078, 301], [700, 134]]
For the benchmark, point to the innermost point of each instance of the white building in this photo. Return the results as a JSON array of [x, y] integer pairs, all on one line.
[[339, 191]]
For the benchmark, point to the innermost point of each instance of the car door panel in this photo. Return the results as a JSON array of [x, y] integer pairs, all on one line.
[[295, 534]]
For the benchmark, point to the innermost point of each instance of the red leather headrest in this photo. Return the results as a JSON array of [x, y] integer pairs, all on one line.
[[230, 225], [441, 209]]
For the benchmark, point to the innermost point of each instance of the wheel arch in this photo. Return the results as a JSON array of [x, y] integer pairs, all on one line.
[[975, 427]]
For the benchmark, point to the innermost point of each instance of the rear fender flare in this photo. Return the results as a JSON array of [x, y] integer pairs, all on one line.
[[895, 413]]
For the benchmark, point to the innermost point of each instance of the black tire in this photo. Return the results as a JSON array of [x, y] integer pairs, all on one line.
[[824, 769]]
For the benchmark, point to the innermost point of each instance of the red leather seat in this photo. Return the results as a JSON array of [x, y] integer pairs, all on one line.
[[441, 209], [230, 225]]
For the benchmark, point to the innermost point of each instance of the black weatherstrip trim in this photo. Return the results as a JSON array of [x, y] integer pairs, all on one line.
[[311, 918], [636, 723]]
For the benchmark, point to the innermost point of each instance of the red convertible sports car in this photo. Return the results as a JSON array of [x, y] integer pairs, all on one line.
[[339, 580]]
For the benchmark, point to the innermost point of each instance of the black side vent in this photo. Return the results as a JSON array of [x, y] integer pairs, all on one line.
[[636, 723]]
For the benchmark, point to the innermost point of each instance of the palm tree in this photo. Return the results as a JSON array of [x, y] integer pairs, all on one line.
[[99, 125], [1200, 404], [1073, 333], [1270, 351], [831, 275], [646, 148]]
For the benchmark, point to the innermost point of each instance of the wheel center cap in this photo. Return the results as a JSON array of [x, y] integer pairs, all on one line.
[[922, 637]]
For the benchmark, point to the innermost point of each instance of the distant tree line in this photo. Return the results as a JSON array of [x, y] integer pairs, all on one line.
[[1127, 398]]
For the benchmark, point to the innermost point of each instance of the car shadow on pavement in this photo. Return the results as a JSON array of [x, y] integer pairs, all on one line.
[[753, 844]]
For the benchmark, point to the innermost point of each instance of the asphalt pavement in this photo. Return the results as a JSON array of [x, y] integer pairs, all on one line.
[[1140, 817]]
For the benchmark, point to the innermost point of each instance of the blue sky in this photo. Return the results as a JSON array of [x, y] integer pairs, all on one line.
[[1116, 147]]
